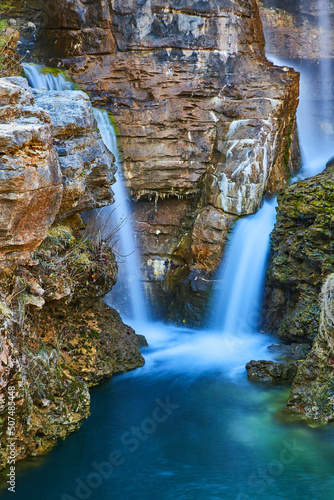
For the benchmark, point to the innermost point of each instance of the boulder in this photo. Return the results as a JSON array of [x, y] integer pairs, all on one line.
[[270, 372]]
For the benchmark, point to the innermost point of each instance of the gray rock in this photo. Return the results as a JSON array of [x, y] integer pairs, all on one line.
[[270, 372]]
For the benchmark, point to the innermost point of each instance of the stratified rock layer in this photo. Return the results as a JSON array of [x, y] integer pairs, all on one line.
[[196, 103], [42, 179], [87, 165], [302, 256], [30, 176]]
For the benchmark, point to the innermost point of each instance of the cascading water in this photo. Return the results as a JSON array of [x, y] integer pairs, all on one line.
[[316, 136], [237, 301], [324, 60], [39, 78], [179, 428], [116, 216], [120, 217]]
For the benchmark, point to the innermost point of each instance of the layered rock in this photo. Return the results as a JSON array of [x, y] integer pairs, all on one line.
[[302, 256], [30, 181], [87, 165], [293, 30], [193, 97], [200, 112], [53, 164], [312, 393]]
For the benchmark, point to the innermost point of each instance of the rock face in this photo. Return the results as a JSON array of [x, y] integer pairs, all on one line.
[[87, 165], [30, 178], [196, 103], [200, 113], [302, 256], [269, 372], [292, 28], [40, 182], [312, 392]]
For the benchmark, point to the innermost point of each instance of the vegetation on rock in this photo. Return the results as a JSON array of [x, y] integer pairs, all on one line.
[[302, 257]]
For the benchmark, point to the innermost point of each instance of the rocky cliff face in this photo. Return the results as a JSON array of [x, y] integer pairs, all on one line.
[[200, 113], [302, 257], [196, 103], [53, 164], [56, 337]]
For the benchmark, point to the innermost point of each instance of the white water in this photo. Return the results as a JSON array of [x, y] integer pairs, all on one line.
[[119, 215], [237, 302], [115, 216], [38, 79], [324, 24]]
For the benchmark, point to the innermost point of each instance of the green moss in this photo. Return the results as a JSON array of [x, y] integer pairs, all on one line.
[[286, 158]]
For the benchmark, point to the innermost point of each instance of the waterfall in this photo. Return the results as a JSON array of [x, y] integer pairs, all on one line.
[[120, 217], [39, 78], [324, 25], [128, 294], [236, 307]]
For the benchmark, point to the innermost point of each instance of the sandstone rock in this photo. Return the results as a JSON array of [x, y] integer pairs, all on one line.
[[302, 257], [30, 177], [312, 393], [271, 372]]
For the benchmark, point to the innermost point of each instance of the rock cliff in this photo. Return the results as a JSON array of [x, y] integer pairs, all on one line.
[[206, 124]]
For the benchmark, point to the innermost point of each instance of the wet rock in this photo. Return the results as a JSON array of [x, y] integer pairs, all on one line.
[[209, 236], [271, 372], [295, 351]]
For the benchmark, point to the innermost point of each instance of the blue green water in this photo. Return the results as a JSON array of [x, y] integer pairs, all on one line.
[[186, 426]]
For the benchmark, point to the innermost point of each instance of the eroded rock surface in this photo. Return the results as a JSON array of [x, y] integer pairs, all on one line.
[[87, 165], [30, 176], [53, 163], [200, 113]]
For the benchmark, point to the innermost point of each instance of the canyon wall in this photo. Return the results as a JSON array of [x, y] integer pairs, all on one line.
[[205, 123]]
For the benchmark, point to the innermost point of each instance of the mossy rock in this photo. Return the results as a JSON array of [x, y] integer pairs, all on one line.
[[302, 257]]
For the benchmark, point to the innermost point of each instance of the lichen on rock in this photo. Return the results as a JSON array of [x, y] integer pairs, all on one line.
[[312, 394]]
